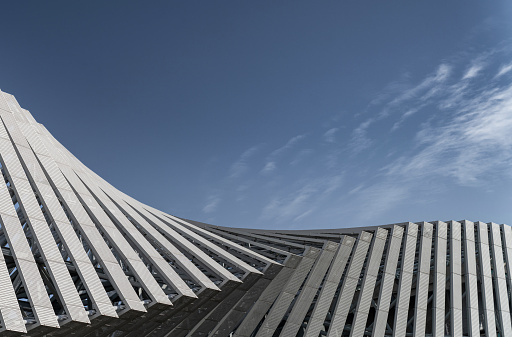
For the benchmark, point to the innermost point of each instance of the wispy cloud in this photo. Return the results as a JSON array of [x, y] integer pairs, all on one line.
[[302, 201], [472, 71], [329, 135], [212, 203], [302, 155], [504, 70], [289, 144], [360, 140], [441, 75], [269, 167], [465, 140], [240, 166]]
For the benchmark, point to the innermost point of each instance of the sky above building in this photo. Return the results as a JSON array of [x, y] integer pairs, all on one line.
[[283, 114]]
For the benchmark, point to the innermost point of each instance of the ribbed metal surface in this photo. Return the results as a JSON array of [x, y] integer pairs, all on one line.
[[81, 258]]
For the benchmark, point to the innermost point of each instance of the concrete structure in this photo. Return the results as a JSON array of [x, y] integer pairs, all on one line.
[[81, 258]]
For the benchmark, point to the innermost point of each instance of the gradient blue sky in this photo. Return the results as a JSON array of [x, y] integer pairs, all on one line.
[[289, 114]]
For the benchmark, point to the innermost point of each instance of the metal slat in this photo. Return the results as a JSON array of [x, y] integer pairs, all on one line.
[[439, 285], [423, 275], [369, 280], [313, 282], [349, 285], [316, 321], [289, 292], [486, 277], [500, 282], [455, 278], [405, 283]]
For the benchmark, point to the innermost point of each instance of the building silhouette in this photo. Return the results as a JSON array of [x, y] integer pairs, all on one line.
[[80, 258]]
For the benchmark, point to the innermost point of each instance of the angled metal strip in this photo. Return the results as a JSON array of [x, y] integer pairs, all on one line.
[[116, 238], [10, 314], [456, 278], [32, 281], [422, 285], [219, 239], [388, 281], [209, 245], [143, 246], [349, 285], [289, 292], [235, 314], [310, 289], [471, 278], [404, 286], [486, 278], [368, 285], [167, 247], [14, 163], [325, 298], [80, 218], [439, 285], [500, 281], [179, 240], [267, 298], [61, 223]]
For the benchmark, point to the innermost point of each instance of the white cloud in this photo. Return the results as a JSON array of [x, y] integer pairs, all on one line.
[[240, 166], [269, 167], [212, 203], [441, 75], [287, 146], [329, 135], [301, 201], [504, 70], [476, 141], [472, 71], [360, 140]]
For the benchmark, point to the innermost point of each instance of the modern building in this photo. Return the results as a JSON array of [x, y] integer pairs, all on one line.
[[80, 258]]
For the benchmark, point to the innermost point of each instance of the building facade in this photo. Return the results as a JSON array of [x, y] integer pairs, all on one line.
[[80, 258]]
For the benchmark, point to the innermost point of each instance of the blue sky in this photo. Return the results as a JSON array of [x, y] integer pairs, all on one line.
[[290, 114]]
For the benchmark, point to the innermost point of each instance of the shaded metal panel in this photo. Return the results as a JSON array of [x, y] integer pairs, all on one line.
[[326, 295], [305, 298], [422, 277], [267, 298], [349, 285], [404, 286], [471, 278], [500, 282], [388, 280], [486, 279], [368, 286], [439, 286], [289, 292], [456, 278]]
